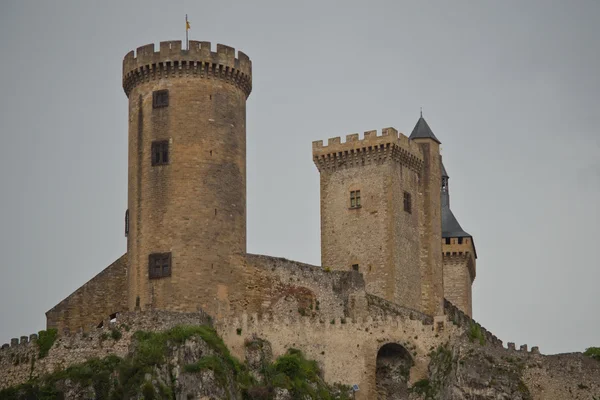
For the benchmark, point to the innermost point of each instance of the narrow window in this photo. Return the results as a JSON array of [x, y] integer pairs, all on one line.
[[355, 267], [407, 202], [447, 240], [159, 265], [126, 222], [355, 199], [160, 98], [160, 152], [460, 240]]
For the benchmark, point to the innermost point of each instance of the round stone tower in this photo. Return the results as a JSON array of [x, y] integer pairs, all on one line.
[[187, 174]]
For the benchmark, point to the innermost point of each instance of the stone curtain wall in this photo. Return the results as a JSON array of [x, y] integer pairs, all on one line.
[[457, 317], [283, 287], [345, 348], [103, 295], [19, 362]]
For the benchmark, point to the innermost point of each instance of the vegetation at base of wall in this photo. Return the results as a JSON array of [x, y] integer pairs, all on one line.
[[440, 369], [45, 341], [115, 334], [475, 333], [423, 388], [301, 377], [115, 378], [593, 352]]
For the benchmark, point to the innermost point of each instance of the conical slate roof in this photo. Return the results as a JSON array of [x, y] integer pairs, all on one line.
[[444, 173], [423, 131], [450, 225]]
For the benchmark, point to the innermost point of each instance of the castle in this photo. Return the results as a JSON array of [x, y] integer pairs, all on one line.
[[384, 202], [396, 264]]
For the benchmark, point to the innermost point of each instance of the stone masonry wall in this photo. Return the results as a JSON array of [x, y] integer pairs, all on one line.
[[457, 282], [101, 296], [194, 206], [432, 281], [459, 272], [19, 362], [345, 348], [378, 236], [276, 286]]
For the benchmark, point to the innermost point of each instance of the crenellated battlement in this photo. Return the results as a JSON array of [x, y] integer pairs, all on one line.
[[320, 324], [15, 342], [389, 146], [459, 318], [171, 60]]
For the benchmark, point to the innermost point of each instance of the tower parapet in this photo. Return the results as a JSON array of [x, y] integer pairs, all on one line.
[[171, 60], [390, 145]]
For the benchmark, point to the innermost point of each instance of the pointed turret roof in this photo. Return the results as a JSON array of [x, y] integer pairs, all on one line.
[[423, 131], [450, 226], [444, 173]]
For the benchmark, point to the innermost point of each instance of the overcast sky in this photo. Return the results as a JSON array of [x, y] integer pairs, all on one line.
[[511, 88]]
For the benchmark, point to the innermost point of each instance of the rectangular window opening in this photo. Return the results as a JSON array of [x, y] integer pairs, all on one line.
[[159, 265], [355, 199], [160, 152], [407, 202], [126, 222], [448, 240], [160, 98], [355, 267], [460, 240]]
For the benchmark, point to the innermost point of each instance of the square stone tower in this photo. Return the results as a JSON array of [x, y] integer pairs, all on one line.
[[372, 211]]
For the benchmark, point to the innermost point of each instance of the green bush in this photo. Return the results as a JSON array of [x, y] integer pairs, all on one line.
[[593, 352], [475, 333], [45, 341], [116, 334]]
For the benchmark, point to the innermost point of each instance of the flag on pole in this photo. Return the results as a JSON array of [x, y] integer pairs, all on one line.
[[187, 27]]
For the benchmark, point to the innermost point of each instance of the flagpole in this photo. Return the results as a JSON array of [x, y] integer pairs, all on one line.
[[187, 42]]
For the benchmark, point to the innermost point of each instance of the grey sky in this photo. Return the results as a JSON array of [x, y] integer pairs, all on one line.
[[511, 88]]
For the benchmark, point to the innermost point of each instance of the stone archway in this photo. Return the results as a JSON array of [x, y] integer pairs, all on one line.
[[393, 370]]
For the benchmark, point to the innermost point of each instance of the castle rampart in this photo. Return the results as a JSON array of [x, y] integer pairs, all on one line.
[[279, 286], [103, 295], [172, 61], [21, 361], [340, 342], [458, 317]]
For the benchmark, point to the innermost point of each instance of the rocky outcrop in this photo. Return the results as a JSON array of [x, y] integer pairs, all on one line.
[[466, 369], [184, 363]]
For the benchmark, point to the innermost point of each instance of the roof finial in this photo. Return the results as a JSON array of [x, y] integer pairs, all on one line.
[[421, 112]]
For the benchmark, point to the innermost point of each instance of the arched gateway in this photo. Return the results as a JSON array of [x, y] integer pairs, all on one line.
[[393, 370]]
